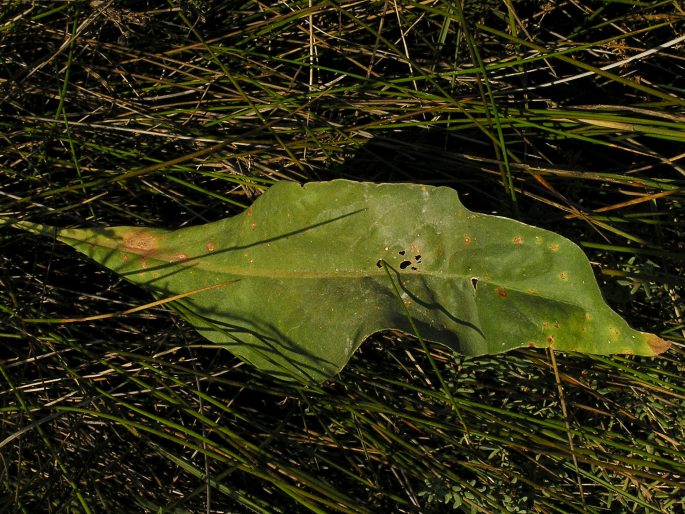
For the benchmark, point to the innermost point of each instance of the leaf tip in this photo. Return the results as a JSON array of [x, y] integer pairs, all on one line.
[[37, 228], [656, 344]]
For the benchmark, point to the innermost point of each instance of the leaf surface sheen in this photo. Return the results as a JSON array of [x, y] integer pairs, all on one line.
[[309, 270]]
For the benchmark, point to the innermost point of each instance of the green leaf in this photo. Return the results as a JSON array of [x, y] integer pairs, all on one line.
[[305, 275]]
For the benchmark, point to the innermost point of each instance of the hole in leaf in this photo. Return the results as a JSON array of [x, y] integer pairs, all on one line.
[[414, 268], [417, 258], [474, 283], [402, 252], [379, 263], [404, 264]]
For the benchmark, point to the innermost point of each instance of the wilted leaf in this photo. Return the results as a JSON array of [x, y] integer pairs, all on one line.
[[306, 274]]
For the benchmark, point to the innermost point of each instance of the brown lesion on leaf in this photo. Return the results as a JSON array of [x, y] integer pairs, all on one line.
[[553, 247], [467, 240], [210, 246], [614, 332], [503, 293], [563, 275], [532, 344], [518, 240], [550, 340], [140, 241], [656, 344], [179, 257]]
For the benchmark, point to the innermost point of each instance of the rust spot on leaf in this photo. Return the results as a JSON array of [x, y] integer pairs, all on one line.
[[140, 241], [554, 247], [210, 246], [550, 340], [556, 324], [179, 257], [467, 240], [248, 212], [656, 344], [253, 226], [517, 240], [563, 275], [614, 331], [502, 292]]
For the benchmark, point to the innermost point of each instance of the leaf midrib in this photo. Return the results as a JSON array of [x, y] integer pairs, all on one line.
[[261, 273]]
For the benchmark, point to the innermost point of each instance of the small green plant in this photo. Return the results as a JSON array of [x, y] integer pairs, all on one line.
[[464, 496]]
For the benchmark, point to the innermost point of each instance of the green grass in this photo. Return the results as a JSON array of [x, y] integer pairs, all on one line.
[[177, 113]]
